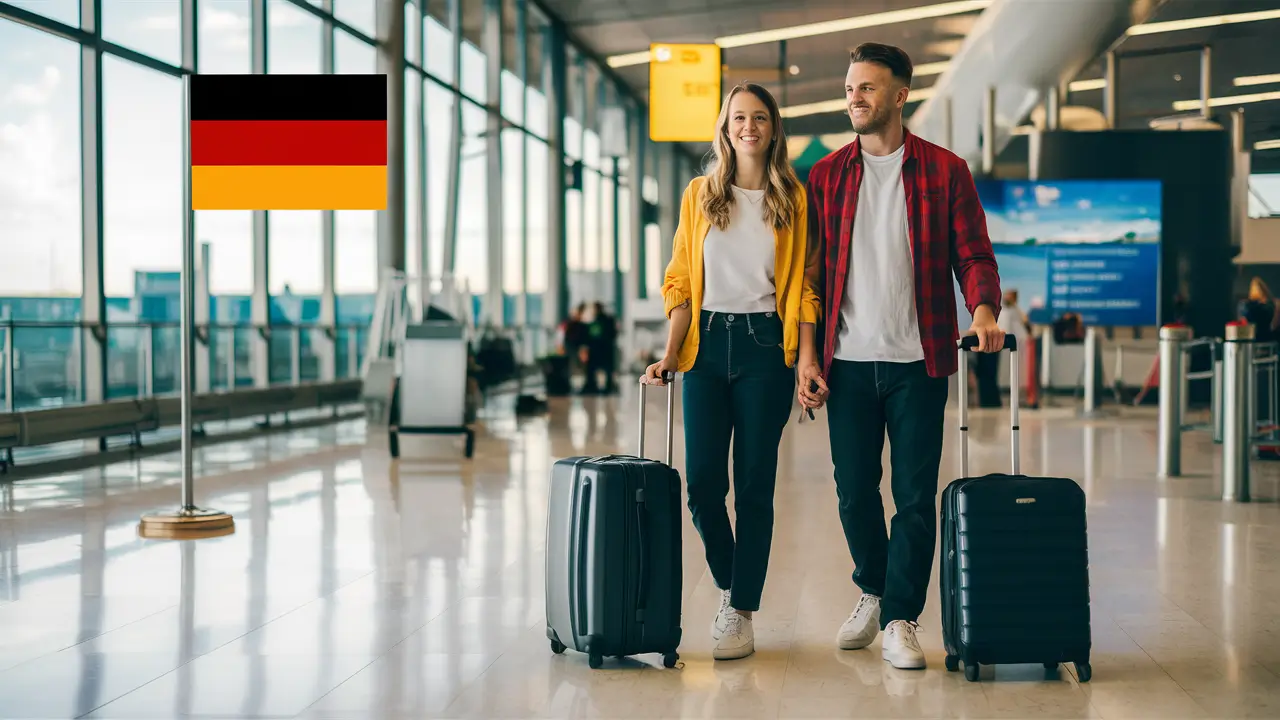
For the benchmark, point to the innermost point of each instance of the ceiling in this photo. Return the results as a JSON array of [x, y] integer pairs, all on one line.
[[1148, 85]]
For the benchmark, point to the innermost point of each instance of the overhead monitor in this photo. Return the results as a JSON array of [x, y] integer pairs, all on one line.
[[684, 92]]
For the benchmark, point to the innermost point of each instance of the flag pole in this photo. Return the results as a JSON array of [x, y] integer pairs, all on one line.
[[188, 521]]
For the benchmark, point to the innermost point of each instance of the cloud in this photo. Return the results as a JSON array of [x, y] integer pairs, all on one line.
[[38, 93]]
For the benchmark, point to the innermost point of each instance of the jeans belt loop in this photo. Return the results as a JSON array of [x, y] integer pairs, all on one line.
[[710, 316], [750, 330]]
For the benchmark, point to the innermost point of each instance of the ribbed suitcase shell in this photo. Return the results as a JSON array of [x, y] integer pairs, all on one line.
[[614, 569], [1015, 561], [1015, 570]]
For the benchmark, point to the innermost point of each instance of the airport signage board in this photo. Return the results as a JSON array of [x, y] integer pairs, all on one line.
[[684, 92], [1089, 247]]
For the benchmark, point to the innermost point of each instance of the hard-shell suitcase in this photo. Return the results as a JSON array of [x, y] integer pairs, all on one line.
[[1015, 560], [613, 563]]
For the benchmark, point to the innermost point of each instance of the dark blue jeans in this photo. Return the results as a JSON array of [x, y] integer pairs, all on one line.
[[869, 400], [739, 388]]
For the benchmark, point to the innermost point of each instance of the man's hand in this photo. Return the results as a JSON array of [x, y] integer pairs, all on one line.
[[990, 336], [811, 373]]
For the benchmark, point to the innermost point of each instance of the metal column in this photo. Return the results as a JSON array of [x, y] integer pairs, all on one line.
[[1110, 93], [1169, 438], [1237, 408], [492, 42], [391, 221], [989, 133], [1206, 80]]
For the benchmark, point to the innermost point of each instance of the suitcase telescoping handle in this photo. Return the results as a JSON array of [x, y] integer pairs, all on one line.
[[669, 380], [967, 344]]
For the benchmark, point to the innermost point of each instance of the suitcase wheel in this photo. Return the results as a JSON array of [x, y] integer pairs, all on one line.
[[595, 660], [670, 659], [1084, 671], [971, 672], [952, 663], [557, 647]]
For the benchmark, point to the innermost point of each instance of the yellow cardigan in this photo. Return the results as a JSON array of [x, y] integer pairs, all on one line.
[[795, 273]]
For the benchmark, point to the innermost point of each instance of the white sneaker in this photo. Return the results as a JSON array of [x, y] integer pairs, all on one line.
[[901, 649], [738, 640], [722, 617], [862, 626]]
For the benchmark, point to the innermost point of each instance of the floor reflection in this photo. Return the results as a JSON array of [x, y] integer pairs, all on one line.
[[357, 587]]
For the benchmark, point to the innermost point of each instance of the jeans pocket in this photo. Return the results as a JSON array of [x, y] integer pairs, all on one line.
[[767, 334]]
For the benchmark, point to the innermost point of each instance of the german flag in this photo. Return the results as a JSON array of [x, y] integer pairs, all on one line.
[[288, 142]]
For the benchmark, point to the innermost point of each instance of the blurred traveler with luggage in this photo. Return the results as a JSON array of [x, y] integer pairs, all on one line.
[[741, 295], [895, 216]]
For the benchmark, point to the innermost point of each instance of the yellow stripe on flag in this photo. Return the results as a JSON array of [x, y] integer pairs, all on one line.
[[270, 187]]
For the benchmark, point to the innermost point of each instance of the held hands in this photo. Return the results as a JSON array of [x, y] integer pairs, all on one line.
[[810, 374], [990, 336], [654, 373]]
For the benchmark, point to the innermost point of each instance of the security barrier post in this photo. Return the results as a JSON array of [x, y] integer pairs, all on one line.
[[1237, 409], [1169, 438]]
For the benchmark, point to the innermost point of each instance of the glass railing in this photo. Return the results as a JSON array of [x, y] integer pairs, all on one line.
[[41, 363]]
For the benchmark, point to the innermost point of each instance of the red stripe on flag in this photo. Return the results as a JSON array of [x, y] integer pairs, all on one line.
[[288, 142]]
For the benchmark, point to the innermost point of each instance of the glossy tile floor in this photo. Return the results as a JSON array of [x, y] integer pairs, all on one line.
[[358, 588]]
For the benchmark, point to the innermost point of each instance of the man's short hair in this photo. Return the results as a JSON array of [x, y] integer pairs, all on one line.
[[894, 58]]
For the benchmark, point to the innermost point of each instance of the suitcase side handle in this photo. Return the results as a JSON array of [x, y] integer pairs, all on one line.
[[965, 345], [668, 380], [642, 587]]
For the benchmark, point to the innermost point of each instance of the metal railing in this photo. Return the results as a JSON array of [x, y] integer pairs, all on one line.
[[42, 363]]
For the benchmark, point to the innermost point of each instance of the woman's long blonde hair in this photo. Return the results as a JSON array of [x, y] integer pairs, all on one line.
[[781, 183]]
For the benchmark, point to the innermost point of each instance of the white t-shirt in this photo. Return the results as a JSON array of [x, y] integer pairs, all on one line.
[[878, 312], [738, 261]]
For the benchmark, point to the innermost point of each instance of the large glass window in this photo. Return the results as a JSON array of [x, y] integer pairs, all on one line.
[[293, 252], [412, 170], [591, 236], [606, 223], [64, 11], [142, 173], [224, 36], [439, 108], [294, 43], [439, 43], [152, 28], [39, 163], [473, 204], [356, 231], [537, 249], [352, 55], [359, 14], [474, 80], [513, 184]]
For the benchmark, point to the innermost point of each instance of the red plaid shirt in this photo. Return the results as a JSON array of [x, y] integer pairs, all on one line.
[[947, 229]]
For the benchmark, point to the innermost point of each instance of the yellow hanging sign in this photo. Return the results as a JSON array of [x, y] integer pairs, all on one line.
[[684, 92]]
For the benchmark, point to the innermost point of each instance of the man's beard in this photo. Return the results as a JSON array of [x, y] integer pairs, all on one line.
[[873, 125]]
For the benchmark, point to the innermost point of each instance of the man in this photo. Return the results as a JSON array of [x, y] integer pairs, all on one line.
[[893, 216]]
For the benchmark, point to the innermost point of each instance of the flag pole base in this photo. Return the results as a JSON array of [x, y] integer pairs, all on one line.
[[189, 523]]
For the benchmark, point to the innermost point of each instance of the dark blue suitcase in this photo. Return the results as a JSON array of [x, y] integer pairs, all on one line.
[[613, 558], [1015, 561]]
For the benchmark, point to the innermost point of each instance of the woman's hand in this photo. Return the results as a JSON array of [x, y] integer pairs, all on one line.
[[655, 372], [811, 374]]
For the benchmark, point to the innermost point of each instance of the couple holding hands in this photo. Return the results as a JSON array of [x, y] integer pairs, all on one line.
[[842, 288]]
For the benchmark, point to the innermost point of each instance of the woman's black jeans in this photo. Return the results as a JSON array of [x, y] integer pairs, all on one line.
[[739, 388]]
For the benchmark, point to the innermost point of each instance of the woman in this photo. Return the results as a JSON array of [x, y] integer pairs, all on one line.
[[742, 267], [1261, 310]]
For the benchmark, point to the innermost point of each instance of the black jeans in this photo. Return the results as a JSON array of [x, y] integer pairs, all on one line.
[[867, 399], [739, 387]]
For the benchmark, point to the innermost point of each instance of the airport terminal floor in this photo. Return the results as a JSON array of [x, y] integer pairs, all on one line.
[[358, 588]]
